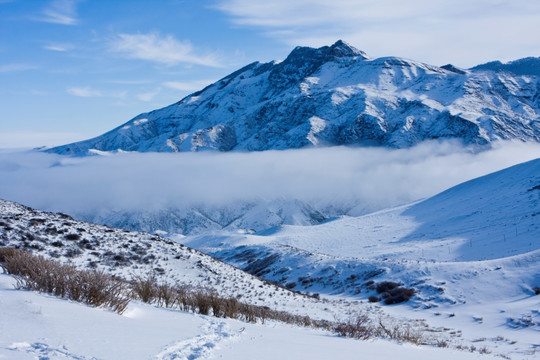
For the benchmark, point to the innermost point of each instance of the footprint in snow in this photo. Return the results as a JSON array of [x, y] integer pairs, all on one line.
[[44, 351], [199, 347]]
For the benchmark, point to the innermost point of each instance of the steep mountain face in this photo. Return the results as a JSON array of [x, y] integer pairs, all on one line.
[[337, 95]]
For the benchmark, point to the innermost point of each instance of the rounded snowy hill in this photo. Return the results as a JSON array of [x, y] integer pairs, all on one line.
[[491, 217], [337, 95]]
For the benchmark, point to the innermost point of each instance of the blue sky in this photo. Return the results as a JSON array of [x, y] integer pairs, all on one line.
[[73, 69]]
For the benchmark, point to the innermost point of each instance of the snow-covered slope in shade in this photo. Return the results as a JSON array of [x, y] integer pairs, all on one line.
[[336, 95]]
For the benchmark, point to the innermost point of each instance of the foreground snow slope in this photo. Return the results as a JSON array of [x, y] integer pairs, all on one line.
[[337, 95], [36, 326]]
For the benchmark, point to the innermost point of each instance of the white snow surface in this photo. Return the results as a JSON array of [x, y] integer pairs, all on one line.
[[37, 326]]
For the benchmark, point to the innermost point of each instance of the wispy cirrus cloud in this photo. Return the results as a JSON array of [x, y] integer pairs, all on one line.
[[16, 67], [149, 96], [89, 92], [62, 12], [194, 85], [466, 33], [58, 47], [163, 49], [84, 92]]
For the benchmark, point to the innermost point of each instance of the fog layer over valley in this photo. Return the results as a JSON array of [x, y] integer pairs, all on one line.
[[291, 186]]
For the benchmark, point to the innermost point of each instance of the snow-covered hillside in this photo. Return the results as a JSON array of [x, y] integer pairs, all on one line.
[[337, 95], [133, 254], [35, 326], [486, 228], [472, 252]]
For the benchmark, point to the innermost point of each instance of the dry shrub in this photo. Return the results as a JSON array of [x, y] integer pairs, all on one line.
[[166, 295], [399, 331], [89, 286], [181, 297], [231, 308], [359, 327], [386, 286], [393, 293], [145, 288], [397, 295], [6, 253], [202, 302], [217, 304]]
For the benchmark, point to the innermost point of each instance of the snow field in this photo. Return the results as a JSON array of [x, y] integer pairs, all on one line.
[[39, 326]]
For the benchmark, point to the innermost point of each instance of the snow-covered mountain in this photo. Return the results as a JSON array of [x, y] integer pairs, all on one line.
[[337, 95], [248, 216]]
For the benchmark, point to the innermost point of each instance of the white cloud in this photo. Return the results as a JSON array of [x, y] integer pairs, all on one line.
[[58, 47], [161, 49], [188, 85], [62, 12], [467, 32], [148, 96], [374, 177], [9, 68], [84, 92], [128, 82], [119, 94]]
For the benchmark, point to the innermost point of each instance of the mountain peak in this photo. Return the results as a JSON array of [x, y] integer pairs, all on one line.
[[339, 49], [342, 49]]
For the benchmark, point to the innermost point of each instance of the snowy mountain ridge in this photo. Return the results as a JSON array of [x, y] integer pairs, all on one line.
[[337, 95]]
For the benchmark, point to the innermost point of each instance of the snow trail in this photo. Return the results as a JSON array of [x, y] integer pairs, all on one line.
[[201, 346]]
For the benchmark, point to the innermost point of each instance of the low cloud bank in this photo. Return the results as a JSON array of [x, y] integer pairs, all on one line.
[[372, 178]]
